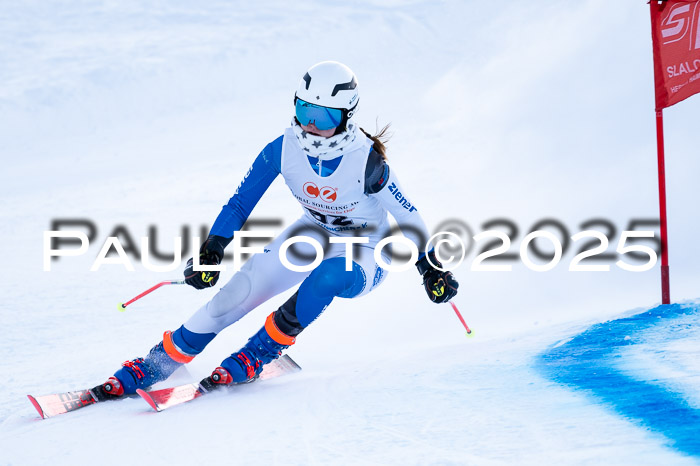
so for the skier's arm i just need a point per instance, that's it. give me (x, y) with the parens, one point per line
(382, 183)
(261, 174)
(234, 214)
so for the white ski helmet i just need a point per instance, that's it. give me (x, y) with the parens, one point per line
(330, 84)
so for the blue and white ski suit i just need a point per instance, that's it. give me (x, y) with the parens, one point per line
(349, 195)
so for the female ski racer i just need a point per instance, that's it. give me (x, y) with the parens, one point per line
(340, 176)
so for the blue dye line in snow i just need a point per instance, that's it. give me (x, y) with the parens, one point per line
(588, 362)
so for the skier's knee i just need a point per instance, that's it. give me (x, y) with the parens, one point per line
(330, 279)
(230, 296)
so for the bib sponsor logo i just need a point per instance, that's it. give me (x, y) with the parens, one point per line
(311, 190)
(326, 193)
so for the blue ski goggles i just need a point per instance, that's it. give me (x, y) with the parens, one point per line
(322, 117)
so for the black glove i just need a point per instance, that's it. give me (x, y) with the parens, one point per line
(440, 286)
(211, 253)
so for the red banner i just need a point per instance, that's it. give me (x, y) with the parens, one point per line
(675, 32)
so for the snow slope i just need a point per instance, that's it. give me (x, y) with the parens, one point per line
(149, 113)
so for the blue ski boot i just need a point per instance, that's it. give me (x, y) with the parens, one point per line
(247, 364)
(144, 372)
(176, 349)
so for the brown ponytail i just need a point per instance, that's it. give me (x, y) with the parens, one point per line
(379, 139)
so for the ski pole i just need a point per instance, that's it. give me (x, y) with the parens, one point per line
(461, 319)
(122, 306)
